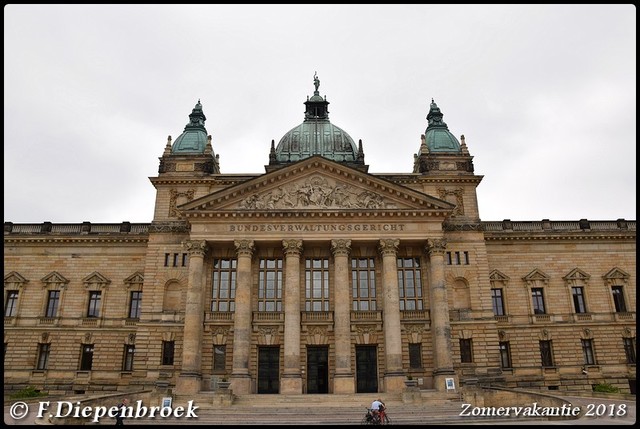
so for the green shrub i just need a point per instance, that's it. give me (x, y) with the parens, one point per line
(605, 388)
(28, 392)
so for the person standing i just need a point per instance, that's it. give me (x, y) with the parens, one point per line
(121, 411)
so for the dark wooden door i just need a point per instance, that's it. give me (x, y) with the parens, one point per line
(268, 369)
(366, 369)
(317, 369)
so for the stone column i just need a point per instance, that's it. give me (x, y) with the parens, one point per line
(343, 381)
(190, 380)
(394, 375)
(240, 377)
(292, 377)
(439, 309)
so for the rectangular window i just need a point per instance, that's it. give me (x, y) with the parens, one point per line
(11, 303)
(456, 259)
(415, 355)
(135, 304)
(166, 259)
(409, 283)
(466, 351)
(43, 356)
(546, 353)
(618, 299)
(184, 259)
(219, 358)
(223, 294)
(505, 354)
(538, 300)
(127, 360)
(53, 300)
(270, 285)
(86, 357)
(587, 352)
(94, 304)
(316, 284)
(578, 299)
(466, 258)
(630, 349)
(167, 352)
(175, 259)
(363, 284)
(498, 302)
(449, 260)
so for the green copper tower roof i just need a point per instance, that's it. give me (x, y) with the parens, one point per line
(194, 137)
(316, 135)
(437, 135)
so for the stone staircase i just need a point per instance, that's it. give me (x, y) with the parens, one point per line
(317, 409)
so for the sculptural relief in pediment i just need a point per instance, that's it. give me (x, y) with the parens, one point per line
(316, 192)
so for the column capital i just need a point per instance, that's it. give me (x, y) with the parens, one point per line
(292, 247)
(244, 247)
(340, 247)
(389, 246)
(195, 247)
(436, 246)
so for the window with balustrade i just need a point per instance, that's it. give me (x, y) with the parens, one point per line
(270, 285)
(223, 293)
(579, 305)
(316, 284)
(537, 297)
(363, 284)
(409, 283)
(497, 299)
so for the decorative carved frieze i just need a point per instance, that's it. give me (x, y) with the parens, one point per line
(316, 192)
(453, 196)
(169, 227)
(173, 200)
(467, 226)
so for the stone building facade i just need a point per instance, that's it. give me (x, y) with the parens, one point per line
(317, 276)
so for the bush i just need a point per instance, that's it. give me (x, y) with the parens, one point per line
(27, 392)
(605, 388)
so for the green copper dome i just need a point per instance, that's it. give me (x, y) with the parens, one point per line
(316, 135)
(437, 136)
(194, 137)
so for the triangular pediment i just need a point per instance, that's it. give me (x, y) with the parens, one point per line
(316, 184)
(578, 275)
(135, 278)
(536, 276)
(95, 278)
(14, 278)
(616, 276)
(55, 278)
(498, 276)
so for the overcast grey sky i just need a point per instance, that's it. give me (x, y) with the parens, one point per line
(545, 96)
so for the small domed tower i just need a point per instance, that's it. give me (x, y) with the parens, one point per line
(192, 150)
(440, 151)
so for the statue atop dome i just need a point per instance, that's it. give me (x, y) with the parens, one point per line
(316, 82)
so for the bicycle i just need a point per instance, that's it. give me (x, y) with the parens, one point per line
(379, 418)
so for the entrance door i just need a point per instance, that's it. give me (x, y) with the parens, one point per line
(269, 369)
(317, 369)
(366, 369)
